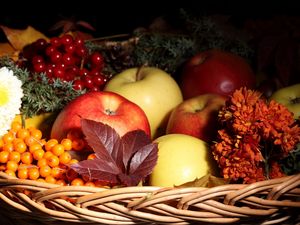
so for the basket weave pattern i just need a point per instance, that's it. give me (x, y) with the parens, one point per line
(267, 202)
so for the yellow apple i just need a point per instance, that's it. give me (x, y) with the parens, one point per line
(290, 98)
(181, 158)
(42, 121)
(154, 90)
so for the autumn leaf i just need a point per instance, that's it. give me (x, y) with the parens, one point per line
(6, 49)
(18, 38)
(71, 24)
(120, 160)
(205, 181)
(74, 27)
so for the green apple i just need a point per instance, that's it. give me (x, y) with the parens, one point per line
(290, 98)
(154, 90)
(181, 158)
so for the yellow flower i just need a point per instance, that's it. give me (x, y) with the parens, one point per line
(11, 94)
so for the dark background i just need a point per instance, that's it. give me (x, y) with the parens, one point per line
(122, 17)
(274, 29)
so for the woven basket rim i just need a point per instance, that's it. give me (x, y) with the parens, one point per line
(268, 201)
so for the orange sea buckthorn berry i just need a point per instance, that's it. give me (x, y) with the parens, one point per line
(23, 133)
(85, 178)
(2, 167)
(30, 141)
(38, 154)
(78, 144)
(37, 134)
(53, 161)
(10, 173)
(22, 173)
(58, 149)
(12, 165)
(67, 143)
(26, 158)
(57, 172)
(14, 156)
(9, 147)
(45, 171)
(61, 182)
(33, 173)
(23, 166)
(17, 140)
(91, 156)
(19, 145)
(8, 137)
(30, 128)
(42, 142)
(73, 161)
(42, 162)
(65, 158)
(47, 155)
(50, 143)
(15, 126)
(50, 179)
(1, 143)
(41, 180)
(77, 182)
(4, 156)
(90, 184)
(34, 147)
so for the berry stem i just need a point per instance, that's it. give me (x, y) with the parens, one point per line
(109, 37)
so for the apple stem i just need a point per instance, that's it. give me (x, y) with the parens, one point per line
(139, 75)
(295, 100)
(109, 112)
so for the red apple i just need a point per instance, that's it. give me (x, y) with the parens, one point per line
(197, 116)
(102, 106)
(215, 71)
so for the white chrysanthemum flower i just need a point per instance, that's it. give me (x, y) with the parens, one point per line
(11, 94)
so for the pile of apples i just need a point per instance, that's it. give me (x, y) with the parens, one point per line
(181, 116)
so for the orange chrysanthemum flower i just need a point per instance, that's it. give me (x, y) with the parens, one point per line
(254, 133)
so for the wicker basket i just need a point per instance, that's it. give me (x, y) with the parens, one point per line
(267, 202)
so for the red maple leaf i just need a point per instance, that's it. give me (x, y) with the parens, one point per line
(120, 160)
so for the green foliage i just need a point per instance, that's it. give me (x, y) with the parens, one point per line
(291, 164)
(208, 34)
(168, 50)
(165, 51)
(40, 96)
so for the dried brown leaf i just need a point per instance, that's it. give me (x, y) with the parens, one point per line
(6, 49)
(69, 25)
(85, 25)
(18, 38)
(205, 181)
